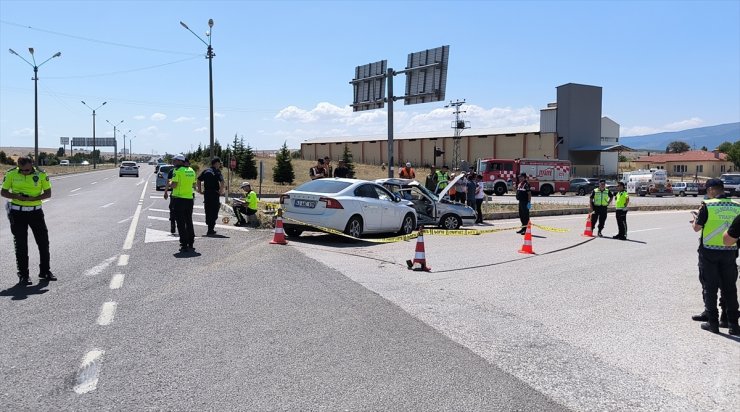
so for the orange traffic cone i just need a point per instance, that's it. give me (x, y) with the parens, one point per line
(527, 246)
(588, 232)
(278, 237)
(419, 256)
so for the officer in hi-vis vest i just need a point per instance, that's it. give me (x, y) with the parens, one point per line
(599, 202)
(26, 186)
(717, 266)
(621, 201)
(183, 189)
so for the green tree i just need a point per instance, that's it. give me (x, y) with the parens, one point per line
(623, 158)
(347, 158)
(60, 152)
(733, 154)
(677, 147)
(704, 148)
(725, 147)
(246, 162)
(4, 159)
(283, 172)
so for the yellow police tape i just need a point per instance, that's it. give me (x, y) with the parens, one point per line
(339, 233)
(551, 229)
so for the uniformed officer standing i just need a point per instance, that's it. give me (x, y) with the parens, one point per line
(443, 176)
(183, 185)
(211, 186)
(524, 196)
(717, 266)
(601, 197)
(622, 200)
(26, 186)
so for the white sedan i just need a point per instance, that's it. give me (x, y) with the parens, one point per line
(351, 206)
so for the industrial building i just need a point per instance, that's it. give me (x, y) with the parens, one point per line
(570, 129)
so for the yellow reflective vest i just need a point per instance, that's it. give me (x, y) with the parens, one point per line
(720, 214)
(185, 179)
(31, 185)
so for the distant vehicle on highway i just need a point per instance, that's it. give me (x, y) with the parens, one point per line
(85, 163)
(156, 168)
(164, 170)
(583, 186)
(352, 206)
(128, 168)
(431, 210)
(64, 163)
(731, 182)
(685, 189)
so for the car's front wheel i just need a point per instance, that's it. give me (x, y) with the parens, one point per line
(354, 227)
(408, 225)
(292, 232)
(451, 222)
(581, 191)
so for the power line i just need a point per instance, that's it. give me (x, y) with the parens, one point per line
(84, 76)
(96, 40)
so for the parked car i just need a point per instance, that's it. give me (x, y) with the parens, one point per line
(352, 206)
(128, 168)
(161, 182)
(431, 210)
(85, 163)
(156, 168)
(611, 186)
(583, 186)
(685, 188)
(64, 163)
(731, 182)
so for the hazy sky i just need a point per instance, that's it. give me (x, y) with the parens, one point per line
(282, 68)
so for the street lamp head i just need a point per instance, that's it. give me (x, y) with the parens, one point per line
(56, 55)
(83, 102)
(210, 22)
(184, 25)
(103, 104)
(30, 50)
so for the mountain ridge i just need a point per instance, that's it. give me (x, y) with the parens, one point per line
(709, 136)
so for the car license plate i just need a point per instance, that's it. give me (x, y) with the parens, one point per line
(305, 203)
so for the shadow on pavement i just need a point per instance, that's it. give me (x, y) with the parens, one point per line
(21, 292)
(327, 239)
(185, 255)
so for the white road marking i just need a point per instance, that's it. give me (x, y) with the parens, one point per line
(132, 229)
(153, 235)
(117, 281)
(156, 197)
(87, 376)
(644, 230)
(140, 182)
(74, 190)
(237, 228)
(123, 260)
(94, 183)
(124, 220)
(73, 194)
(109, 204)
(101, 267)
(107, 312)
(45, 200)
(168, 211)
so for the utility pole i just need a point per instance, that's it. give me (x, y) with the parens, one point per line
(459, 125)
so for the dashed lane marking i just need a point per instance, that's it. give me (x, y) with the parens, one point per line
(100, 267)
(109, 204)
(107, 312)
(94, 183)
(74, 190)
(117, 281)
(123, 260)
(87, 376)
(124, 220)
(132, 229)
(644, 230)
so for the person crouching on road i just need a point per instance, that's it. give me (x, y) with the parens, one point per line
(600, 199)
(717, 265)
(183, 192)
(26, 186)
(247, 207)
(622, 200)
(524, 196)
(211, 186)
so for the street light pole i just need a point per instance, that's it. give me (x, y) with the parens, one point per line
(124, 145)
(35, 97)
(93, 112)
(115, 126)
(209, 56)
(130, 145)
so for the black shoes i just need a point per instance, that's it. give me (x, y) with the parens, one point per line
(47, 276)
(619, 237)
(522, 231)
(211, 233)
(714, 328)
(23, 280)
(734, 330)
(600, 235)
(702, 317)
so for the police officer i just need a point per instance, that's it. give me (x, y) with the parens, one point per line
(183, 185)
(247, 207)
(443, 176)
(211, 186)
(622, 200)
(524, 196)
(717, 266)
(26, 186)
(600, 199)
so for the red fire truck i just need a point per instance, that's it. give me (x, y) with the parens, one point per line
(546, 176)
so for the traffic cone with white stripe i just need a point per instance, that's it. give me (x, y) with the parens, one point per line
(419, 255)
(527, 246)
(278, 237)
(588, 232)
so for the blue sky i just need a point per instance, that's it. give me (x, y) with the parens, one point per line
(282, 68)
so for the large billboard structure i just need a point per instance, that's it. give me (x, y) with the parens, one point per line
(426, 80)
(90, 141)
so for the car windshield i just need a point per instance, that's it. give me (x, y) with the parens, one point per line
(128, 164)
(165, 169)
(323, 186)
(730, 179)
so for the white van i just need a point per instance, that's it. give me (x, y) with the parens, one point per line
(64, 163)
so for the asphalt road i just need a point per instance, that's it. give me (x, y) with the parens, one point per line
(239, 325)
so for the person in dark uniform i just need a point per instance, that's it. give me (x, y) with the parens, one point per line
(600, 199)
(27, 186)
(717, 261)
(524, 196)
(183, 185)
(173, 225)
(342, 170)
(211, 186)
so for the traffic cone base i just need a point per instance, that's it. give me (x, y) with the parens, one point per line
(588, 232)
(419, 255)
(278, 237)
(527, 246)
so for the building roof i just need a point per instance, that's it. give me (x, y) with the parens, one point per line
(421, 135)
(690, 156)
